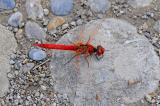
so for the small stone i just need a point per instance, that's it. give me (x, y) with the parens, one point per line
(15, 30)
(7, 4)
(34, 105)
(43, 87)
(43, 103)
(132, 82)
(149, 97)
(123, 105)
(15, 9)
(19, 31)
(40, 82)
(61, 7)
(157, 26)
(73, 23)
(21, 24)
(79, 22)
(33, 30)
(13, 56)
(15, 19)
(11, 62)
(17, 65)
(16, 72)
(37, 54)
(34, 9)
(9, 75)
(54, 104)
(54, 23)
(27, 103)
(37, 94)
(10, 28)
(45, 22)
(29, 97)
(46, 11)
(65, 26)
(99, 6)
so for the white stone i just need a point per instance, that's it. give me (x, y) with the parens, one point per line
(34, 9)
(7, 45)
(128, 56)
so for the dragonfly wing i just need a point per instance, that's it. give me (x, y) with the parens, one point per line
(93, 31)
(80, 34)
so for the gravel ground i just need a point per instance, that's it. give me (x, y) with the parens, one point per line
(30, 80)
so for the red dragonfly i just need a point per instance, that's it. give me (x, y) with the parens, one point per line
(79, 48)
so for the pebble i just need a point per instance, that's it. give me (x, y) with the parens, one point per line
(34, 9)
(7, 4)
(11, 62)
(43, 87)
(157, 26)
(99, 6)
(54, 23)
(45, 22)
(54, 104)
(9, 75)
(37, 54)
(21, 24)
(16, 72)
(17, 65)
(79, 22)
(15, 19)
(65, 26)
(61, 7)
(73, 23)
(46, 11)
(15, 30)
(37, 94)
(33, 30)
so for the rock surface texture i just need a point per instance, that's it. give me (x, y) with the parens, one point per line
(7, 45)
(128, 71)
(139, 3)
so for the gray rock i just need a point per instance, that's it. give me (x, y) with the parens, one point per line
(33, 30)
(15, 19)
(7, 45)
(128, 71)
(139, 3)
(157, 26)
(7, 4)
(37, 54)
(100, 6)
(34, 9)
(61, 7)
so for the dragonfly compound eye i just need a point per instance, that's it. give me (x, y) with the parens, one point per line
(100, 50)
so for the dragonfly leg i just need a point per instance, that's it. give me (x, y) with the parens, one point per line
(86, 58)
(99, 57)
(89, 40)
(72, 58)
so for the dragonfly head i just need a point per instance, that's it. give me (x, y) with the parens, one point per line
(100, 50)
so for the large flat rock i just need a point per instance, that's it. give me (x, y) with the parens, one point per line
(129, 69)
(7, 45)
